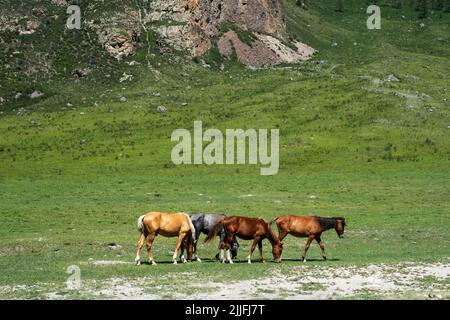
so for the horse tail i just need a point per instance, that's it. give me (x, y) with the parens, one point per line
(213, 232)
(191, 226)
(140, 225)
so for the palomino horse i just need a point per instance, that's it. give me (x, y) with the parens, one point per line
(255, 229)
(168, 225)
(203, 223)
(310, 227)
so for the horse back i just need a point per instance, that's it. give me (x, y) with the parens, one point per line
(166, 224)
(298, 225)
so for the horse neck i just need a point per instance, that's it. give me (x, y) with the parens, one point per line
(327, 223)
(271, 236)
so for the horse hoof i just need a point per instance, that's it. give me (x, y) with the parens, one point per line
(153, 263)
(231, 261)
(175, 262)
(261, 261)
(304, 259)
(249, 261)
(138, 263)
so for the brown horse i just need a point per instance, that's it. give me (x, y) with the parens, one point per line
(310, 227)
(168, 225)
(255, 229)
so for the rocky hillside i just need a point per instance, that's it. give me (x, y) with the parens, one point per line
(254, 29)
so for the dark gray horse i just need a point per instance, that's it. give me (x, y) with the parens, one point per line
(203, 223)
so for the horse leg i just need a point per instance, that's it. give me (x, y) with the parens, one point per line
(197, 236)
(234, 248)
(221, 250)
(308, 243)
(140, 244)
(222, 236)
(261, 257)
(255, 242)
(149, 243)
(181, 237)
(184, 244)
(283, 233)
(229, 239)
(322, 247)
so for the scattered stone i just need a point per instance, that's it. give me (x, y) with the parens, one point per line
(161, 109)
(123, 99)
(36, 94)
(18, 95)
(184, 104)
(30, 28)
(133, 63)
(156, 94)
(126, 77)
(334, 44)
(114, 246)
(392, 78)
(81, 72)
(69, 105)
(381, 121)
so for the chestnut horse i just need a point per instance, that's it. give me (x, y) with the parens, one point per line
(310, 227)
(168, 225)
(255, 229)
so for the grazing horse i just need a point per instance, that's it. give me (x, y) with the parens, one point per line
(168, 225)
(310, 227)
(203, 223)
(255, 229)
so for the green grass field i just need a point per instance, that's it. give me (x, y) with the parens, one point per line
(74, 179)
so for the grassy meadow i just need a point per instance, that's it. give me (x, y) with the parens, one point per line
(75, 178)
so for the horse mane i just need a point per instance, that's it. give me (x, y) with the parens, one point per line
(329, 222)
(273, 238)
(191, 226)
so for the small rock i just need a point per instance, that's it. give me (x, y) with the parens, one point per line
(334, 44)
(161, 109)
(126, 77)
(222, 67)
(114, 246)
(69, 105)
(36, 94)
(123, 99)
(392, 78)
(156, 94)
(81, 72)
(422, 25)
(184, 104)
(133, 63)
(2, 100)
(18, 95)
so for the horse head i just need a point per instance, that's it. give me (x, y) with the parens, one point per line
(340, 226)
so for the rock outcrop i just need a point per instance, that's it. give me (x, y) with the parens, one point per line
(195, 26)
